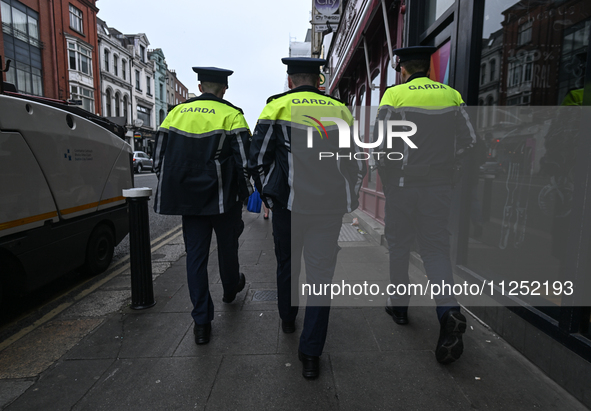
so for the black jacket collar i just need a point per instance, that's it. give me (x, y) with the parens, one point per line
(209, 96)
(416, 75)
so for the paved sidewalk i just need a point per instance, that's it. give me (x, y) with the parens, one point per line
(94, 357)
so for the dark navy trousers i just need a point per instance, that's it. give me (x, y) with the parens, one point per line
(421, 213)
(316, 237)
(197, 232)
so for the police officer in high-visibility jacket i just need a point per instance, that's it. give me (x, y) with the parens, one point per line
(201, 164)
(308, 194)
(418, 187)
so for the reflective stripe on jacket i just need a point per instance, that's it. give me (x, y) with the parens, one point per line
(444, 132)
(201, 158)
(284, 157)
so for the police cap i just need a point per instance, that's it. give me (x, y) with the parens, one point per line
(303, 65)
(413, 53)
(212, 74)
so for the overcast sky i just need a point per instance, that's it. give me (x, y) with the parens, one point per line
(249, 37)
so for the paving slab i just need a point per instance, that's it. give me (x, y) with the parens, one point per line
(259, 273)
(246, 332)
(102, 343)
(271, 382)
(10, 390)
(421, 333)
(153, 335)
(153, 384)
(38, 350)
(408, 381)
(491, 372)
(62, 387)
(349, 331)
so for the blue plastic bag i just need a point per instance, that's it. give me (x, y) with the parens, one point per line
(254, 202)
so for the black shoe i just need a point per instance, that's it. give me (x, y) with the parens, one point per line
(202, 333)
(288, 327)
(311, 365)
(399, 317)
(450, 345)
(228, 298)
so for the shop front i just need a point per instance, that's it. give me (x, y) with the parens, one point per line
(521, 210)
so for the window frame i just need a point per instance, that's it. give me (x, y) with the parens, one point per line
(81, 55)
(107, 57)
(138, 83)
(108, 105)
(76, 19)
(79, 94)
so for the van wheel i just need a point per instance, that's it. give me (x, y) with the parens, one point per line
(100, 249)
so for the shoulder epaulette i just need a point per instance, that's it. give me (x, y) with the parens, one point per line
(276, 96)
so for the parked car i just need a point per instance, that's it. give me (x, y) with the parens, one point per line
(141, 161)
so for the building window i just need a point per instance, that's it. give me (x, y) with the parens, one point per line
(125, 104)
(117, 108)
(482, 74)
(80, 58)
(137, 80)
(116, 65)
(85, 95)
(142, 53)
(108, 105)
(493, 68)
(161, 92)
(106, 60)
(123, 68)
(76, 19)
(144, 113)
(148, 85)
(162, 116)
(22, 46)
(26, 79)
(21, 23)
(524, 34)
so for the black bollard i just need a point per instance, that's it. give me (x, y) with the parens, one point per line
(142, 290)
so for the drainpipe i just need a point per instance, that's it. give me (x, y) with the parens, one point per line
(54, 53)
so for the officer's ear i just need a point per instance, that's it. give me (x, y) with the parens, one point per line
(200, 88)
(290, 84)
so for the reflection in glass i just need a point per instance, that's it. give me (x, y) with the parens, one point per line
(434, 9)
(522, 187)
(372, 174)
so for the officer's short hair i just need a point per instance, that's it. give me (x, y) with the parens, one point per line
(303, 79)
(416, 66)
(211, 87)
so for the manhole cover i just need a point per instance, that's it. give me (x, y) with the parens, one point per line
(350, 233)
(265, 295)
